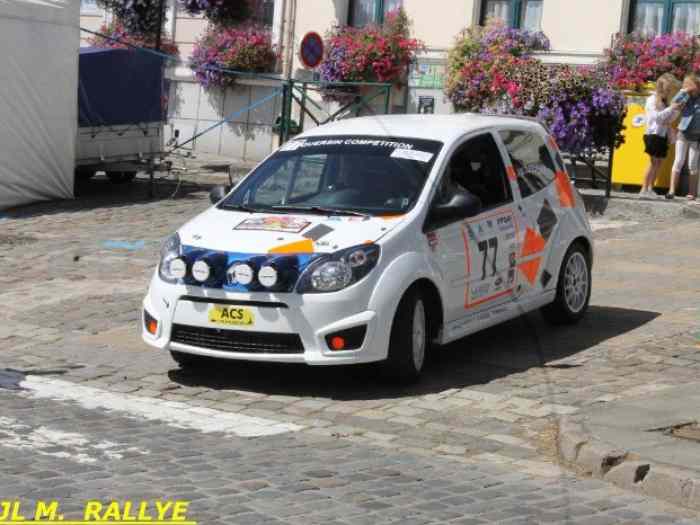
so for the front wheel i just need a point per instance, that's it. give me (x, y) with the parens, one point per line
(409, 341)
(573, 288)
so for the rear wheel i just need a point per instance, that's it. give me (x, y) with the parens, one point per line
(120, 177)
(573, 288)
(189, 360)
(409, 342)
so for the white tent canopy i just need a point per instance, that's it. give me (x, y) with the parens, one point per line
(38, 99)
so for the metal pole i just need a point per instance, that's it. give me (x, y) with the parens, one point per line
(151, 170)
(286, 90)
(302, 113)
(159, 32)
(608, 188)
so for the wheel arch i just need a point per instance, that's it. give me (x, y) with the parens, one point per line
(407, 271)
(587, 245)
(433, 308)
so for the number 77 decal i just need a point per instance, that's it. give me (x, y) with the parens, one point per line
(489, 238)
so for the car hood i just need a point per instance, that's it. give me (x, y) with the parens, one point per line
(262, 233)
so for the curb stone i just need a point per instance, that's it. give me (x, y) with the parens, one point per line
(576, 445)
(691, 211)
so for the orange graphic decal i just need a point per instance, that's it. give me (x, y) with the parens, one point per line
(553, 143)
(305, 246)
(565, 191)
(510, 170)
(529, 269)
(534, 243)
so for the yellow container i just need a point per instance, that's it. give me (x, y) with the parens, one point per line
(631, 163)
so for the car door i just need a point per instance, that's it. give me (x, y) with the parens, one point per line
(477, 255)
(538, 212)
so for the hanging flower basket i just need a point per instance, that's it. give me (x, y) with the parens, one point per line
(494, 70)
(219, 12)
(634, 61)
(121, 38)
(369, 54)
(136, 16)
(242, 49)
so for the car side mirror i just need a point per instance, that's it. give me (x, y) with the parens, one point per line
(462, 205)
(218, 193)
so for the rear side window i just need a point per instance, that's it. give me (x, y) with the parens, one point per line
(477, 166)
(531, 160)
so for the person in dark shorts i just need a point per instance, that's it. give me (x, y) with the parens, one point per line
(660, 112)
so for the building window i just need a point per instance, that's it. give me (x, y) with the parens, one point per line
(654, 17)
(363, 12)
(263, 12)
(89, 7)
(523, 14)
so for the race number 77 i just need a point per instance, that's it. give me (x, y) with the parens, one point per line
(484, 247)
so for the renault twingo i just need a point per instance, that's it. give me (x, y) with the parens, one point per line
(373, 239)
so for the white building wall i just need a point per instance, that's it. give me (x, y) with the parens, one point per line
(579, 32)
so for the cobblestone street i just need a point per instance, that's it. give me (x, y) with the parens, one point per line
(473, 442)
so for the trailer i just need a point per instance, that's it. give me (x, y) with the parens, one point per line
(122, 106)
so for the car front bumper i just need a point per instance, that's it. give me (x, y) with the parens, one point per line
(181, 309)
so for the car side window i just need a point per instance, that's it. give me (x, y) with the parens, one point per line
(477, 167)
(531, 160)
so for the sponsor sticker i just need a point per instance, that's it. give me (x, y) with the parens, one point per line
(371, 142)
(639, 121)
(433, 240)
(490, 245)
(412, 154)
(286, 224)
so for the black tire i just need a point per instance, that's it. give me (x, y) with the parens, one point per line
(569, 310)
(402, 364)
(190, 361)
(120, 177)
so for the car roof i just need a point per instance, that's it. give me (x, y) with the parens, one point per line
(444, 128)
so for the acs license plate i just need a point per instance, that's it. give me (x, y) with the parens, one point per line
(231, 315)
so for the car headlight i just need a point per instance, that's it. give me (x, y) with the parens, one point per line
(172, 266)
(334, 272)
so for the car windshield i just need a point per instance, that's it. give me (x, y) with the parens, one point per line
(343, 175)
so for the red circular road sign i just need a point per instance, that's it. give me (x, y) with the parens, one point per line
(311, 52)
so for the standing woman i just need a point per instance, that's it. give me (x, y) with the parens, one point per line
(688, 144)
(659, 115)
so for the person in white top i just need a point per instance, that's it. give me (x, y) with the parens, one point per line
(660, 113)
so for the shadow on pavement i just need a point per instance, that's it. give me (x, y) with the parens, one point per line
(524, 343)
(99, 192)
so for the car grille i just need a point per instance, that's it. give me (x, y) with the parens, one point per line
(237, 341)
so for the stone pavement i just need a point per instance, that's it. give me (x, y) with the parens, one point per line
(74, 273)
(63, 451)
(649, 444)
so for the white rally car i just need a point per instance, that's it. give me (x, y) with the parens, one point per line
(372, 239)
